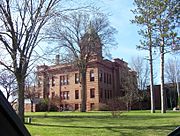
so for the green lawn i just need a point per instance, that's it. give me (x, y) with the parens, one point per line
(140, 123)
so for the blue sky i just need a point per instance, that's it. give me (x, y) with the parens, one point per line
(120, 15)
(127, 36)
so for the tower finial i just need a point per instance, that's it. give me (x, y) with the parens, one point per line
(90, 28)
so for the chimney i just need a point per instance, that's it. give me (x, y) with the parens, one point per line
(57, 59)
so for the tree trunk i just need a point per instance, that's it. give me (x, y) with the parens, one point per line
(177, 84)
(83, 90)
(151, 78)
(163, 104)
(127, 105)
(178, 91)
(31, 105)
(21, 88)
(49, 104)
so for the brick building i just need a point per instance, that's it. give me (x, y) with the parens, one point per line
(104, 79)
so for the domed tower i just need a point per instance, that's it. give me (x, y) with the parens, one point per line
(91, 45)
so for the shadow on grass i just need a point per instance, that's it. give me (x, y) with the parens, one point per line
(145, 117)
(107, 127)
(68, 116)
(129, 117)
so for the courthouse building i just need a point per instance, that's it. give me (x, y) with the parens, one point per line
(104, 81)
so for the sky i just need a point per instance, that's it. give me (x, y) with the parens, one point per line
(127, 36)
(120, 15)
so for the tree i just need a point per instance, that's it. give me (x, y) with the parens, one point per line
(144, 16)
(8, 83)
(166, 23)
(129, 88)
(142, 69)
(56, 102)
(84, 35)
(161, 22)
(21, 23)
(172, 74)
(140, 65)
(31, 91)
(172, 70)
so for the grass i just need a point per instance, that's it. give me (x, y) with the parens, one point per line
(102, 124)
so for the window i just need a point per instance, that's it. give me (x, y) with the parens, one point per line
(92, 93)
(107, 78)
(101, 93)
(66, 107)
(61, 80)
(76, 78)
(110, 79)
(76, 94)
(67, 79)
(64, 80)
(52, 95)
(92, 75)
(76, 106)
(106, 94)
(65, 95)
(53, 81)
(92, 106)
(104, 77)
(110, 94)
(61, 94)
(100, 76)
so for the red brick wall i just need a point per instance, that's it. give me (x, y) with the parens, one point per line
(115, 69)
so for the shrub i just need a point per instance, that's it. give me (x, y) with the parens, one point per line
(47, 105)
(116, 114)
(103, 107)
(116, 106)
(42, 105)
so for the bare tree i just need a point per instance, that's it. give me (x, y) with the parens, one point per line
(172, 66)
(21, 23)
(141, 67)
(31, 91)
(172, 74)
(130, 90)
(85, 35)
(8, 83)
